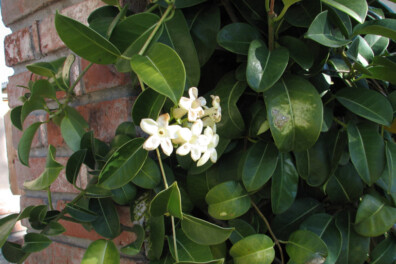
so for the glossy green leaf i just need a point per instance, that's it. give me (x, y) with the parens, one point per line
(6, 225)
(26, 142)
(67, 69)
(12, 252)
(383, 27)
(125, 194)
(15, 116)
(135, 247)
(384, 252)
(259, 165)
(286, 223)
(42, 68)
(242, 229)
(123, 165)
(161, 69)
(101, 252)
(377, 43)
(33, 104)
(43, 88)
(183, 3)
(303, 13)
(366, 103)
(295, 113)
(177, 36)
(305, 246)
(188, 250)
(204, 29)
(73, 165)
(107, 223)
(322, 32)
(366, 149)
(73, 127)
(389, 174)
(230, 90)
(167, 201)
(35, 242)
(203, 232)
(355, 8)
(149, 176)
(126, 128)
(95, 191)
(360, 51)
(80, 213)
(265, 67)
(227, 200)
(254, 249)
(84, 41)
(298, 51)
(50, 174)
(252, 11)
(236, 37)
(355, 248)
(374, 217)
(148, 105)
(54, 229)
(284, 184)
(156, 237)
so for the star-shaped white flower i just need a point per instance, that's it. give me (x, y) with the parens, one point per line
(195, 142)
(192, 106)
(160, 133)
(210, 152)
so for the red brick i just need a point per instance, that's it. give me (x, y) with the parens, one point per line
(39, 139)
(100, 77)
(54, 135)
(13, 10)
(19, 47)
(13, 91)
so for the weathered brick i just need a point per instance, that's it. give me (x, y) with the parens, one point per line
(13, 89)
(100, 77)
(19, 47)
(54, 135)
(13, 10)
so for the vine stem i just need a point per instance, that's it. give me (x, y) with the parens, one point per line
(270, 4)
(172, 218)
(270, 230)
(80, 77)
(340, 122)
(50, 198)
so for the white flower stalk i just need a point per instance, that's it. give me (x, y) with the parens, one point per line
(196, 143)
(210, 152)
(161, 133)
(191, 106)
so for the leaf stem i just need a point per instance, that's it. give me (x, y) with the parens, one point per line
(230, 11)
(151, 9)
(80, 77)
(269, 229)
(49, 198)
(271, 23)
(162, 169)
(338, 121)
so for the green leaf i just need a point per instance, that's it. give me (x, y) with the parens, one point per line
(50, 174)
(254, 249)
(73, 127)
(149, 176)
(384, 252)
(15, 116)
(148, 105)
(42, 68)
(67, 68)
(242, 229)
(367, 103)
(74, 164)
(134, 248)
(227, 200)
(156, 237)
(382, 27)
(374, 217)
(96, 191)
(377, 43)
(203, 232)
(54, 229)
(259, 165)
(35, 242)
(111, 2)
(167, 201)
(203, 30)
(284, 184)
(125, 194)
(34, 103)
(189, 251)
(230, 90)
(295, 113)
(13, 252)
(355, 8)
(183, 3)
(355, 248)
(107, 224)
(43, 89)
(389, 174)
(127, 129)
(265, 67)
(123, 165)
(366, 149)
(6, 225)
(26, 142)
(101, 252)
(305, 246)
(236, 37)
(322, 32)
(80, 213)
(161, 69)
(84, 41)
(360, 51)
(177, 36)
(298, 51)
(302, 14)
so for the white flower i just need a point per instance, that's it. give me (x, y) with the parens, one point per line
(160, 133)
(192, 106)
(196, 143)
(211, 147)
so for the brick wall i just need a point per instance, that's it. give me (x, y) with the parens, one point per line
(105, 99)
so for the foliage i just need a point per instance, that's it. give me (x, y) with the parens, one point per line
(294, 161)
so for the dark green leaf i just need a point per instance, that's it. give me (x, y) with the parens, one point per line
(13, 252)
(382, 27)
(254, 249)
(125, 194)
(303, 13)
(167, 201)
(384, 252)
(42, 68)
(127, 129)
(183, 3)
(360, 51)
(96, 191)
(156, 237)
(236, 37)
(149, 176)
(389, 175)
(74, 164)
(34, 103)
(107, 224)
(73, 127)
(80, 213)
(148, 105)
(101, 252)
(134, 248)
(111, 2)
(6, 225)
(16, 117)
(35, 242)
(242, 229)
(355, 8)
(377, 43)
(298, 51)
(26, 142)
(54, 229)
(305, 246)
(43, 89)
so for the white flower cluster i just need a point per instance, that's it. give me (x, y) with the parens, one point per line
(187, 135)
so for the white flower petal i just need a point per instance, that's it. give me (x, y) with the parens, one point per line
(151, 143)
(171, 131)
(163, 120)
(167, 146)
(202, 101)
(192, 116)
(215, 140)
(195, 153)
(183, 149)
(179, 112)
(185, 103)
(193, 93)
(205, 157)
(208, 132)
(213, 155)
(185, 134)
(196, 128)
(149, 126)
